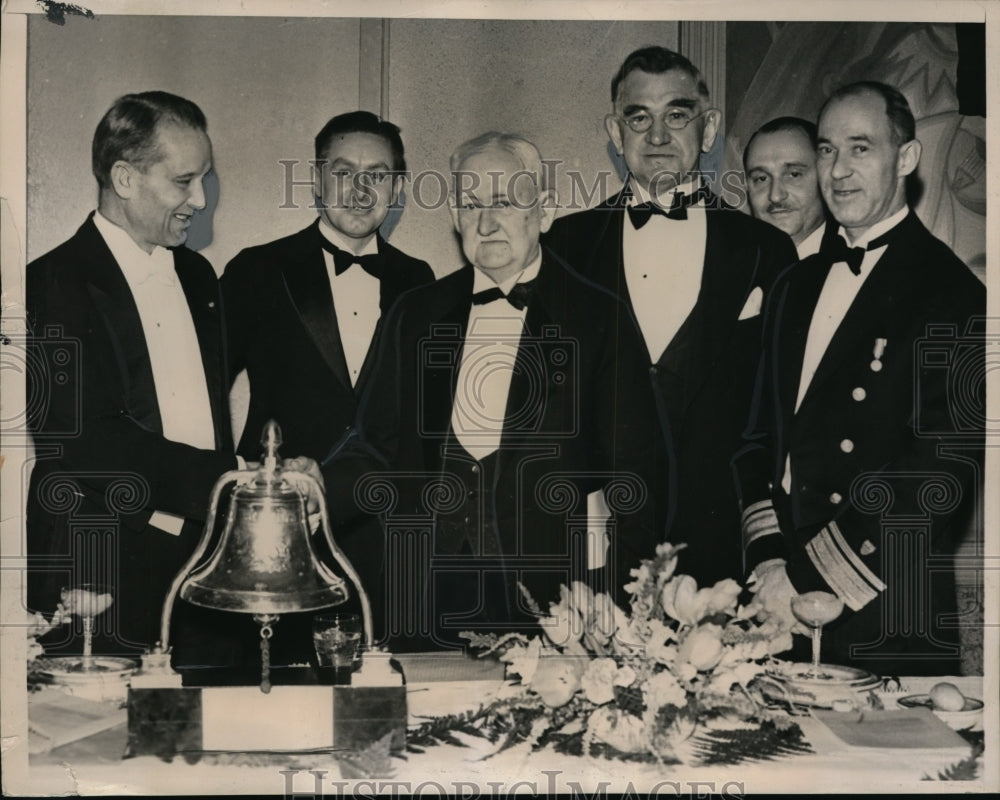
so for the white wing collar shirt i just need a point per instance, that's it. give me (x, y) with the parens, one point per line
(172, 344)
(489, 353)
(356, 296)
(664, 260)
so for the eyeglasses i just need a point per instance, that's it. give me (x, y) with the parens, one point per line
(677, 119)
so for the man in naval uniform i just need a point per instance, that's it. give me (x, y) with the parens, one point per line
(864, 459)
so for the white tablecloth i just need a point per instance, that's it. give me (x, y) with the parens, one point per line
(834, 767)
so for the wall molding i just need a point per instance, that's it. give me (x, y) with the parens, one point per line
(704, 43)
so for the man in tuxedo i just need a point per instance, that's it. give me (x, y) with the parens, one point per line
(864, 462)
(694, 274)
(130, 444)
(303, 312)
(782, 186)
(303, 315)
(498, 407)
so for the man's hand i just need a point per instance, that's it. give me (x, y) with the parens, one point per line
(309, 467)
(774, 593)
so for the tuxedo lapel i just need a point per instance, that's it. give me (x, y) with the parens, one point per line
(727, 279)
(204, 308)
(308, 287)
(795, 316)
(439, 362)
(113, 299)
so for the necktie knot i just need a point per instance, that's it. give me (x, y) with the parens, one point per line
(343, 261)
(641, 213)
(518, 296)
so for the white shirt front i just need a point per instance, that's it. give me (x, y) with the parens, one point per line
(355, 299)
(172, 344)
(835, 299)
(489, 354)
(664, 261)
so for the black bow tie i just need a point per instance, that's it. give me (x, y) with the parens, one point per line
(342, 260)
(519, 295)
(639, 214)
(835, 249)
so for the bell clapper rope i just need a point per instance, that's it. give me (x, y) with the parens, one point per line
(266, 632)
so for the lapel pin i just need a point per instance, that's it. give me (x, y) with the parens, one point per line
(877, 352)
(211, 304)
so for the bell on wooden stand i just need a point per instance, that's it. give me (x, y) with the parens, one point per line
(264, 565)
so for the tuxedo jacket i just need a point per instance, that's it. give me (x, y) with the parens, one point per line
(103, 465)
(886, 450)
(572, 424)
(702, 384)
(282, 328)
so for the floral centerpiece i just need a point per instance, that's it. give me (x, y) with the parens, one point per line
(639, 685)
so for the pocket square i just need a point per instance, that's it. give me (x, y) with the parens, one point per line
(752, 306)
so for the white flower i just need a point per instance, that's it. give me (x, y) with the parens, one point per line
(684, 601)
(663, 689)
(702, 648)
(598, 680)
(523, 659)
(625, 677)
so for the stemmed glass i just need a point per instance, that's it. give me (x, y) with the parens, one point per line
(816, 609)
(87, 600)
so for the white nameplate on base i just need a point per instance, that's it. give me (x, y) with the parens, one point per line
(243, 718)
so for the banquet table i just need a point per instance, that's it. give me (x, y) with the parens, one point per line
(440, 684)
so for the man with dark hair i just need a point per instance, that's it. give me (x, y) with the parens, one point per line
(131, 444)
(863, 463)
(304, 312)
(497, 406)
(780, 165)
(694, 275)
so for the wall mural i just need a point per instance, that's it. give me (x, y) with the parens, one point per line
(775, 69)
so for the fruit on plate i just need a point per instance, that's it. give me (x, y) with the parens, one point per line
(947, 697)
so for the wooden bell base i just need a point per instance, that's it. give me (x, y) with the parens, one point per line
(188, 721)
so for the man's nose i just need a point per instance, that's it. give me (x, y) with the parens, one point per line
(487, 221)
(841, 166)
(658, 132)
(196, 199)
(777, 192)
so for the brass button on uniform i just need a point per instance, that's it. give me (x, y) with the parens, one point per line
(475, 469)
(847, 446)
(859, 393)
(835, 498)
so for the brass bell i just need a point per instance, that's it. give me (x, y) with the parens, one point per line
(264, 563)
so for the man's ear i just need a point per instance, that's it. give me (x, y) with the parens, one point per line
(548, 204)
(453, 208)
(713, 119)
(908, 158)
(318, 167)
(397, 187)
(123, 175)
(613, 126)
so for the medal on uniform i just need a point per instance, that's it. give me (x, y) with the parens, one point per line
(877, 352)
